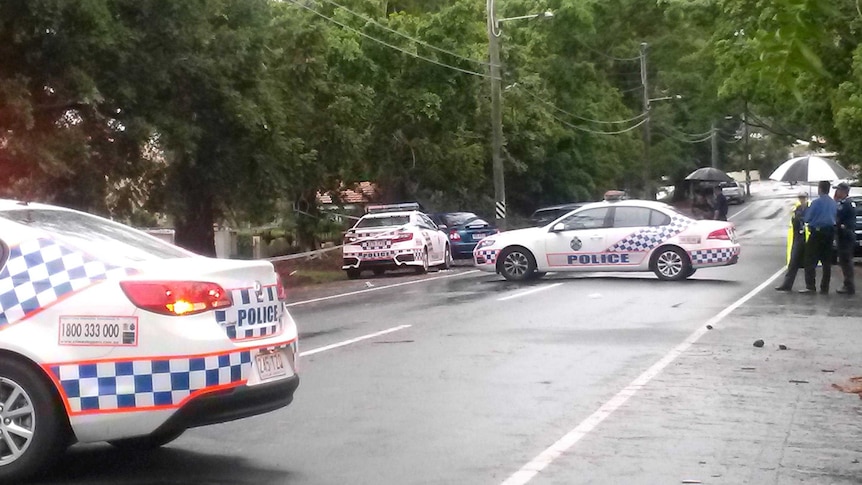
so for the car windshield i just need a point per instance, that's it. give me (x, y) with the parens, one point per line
(382, 221)
(111, 241)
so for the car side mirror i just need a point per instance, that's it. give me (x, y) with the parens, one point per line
(443, 227)
(558, 227)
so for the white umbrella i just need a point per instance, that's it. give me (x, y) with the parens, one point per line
(809, 169)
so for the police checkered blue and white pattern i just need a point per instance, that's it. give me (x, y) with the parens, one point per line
(377, 244)
(40, 271)
(713, 256)
(650, 237)
(490, 255)
(245, 299)
(142, 384)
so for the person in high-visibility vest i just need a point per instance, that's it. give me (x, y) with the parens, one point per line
(796, 236)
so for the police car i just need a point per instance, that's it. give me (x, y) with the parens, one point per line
(395, 236)
(110, 334)
(619, 235)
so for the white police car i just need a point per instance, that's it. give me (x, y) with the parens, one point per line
(395, 236)
(623, 235)
(109, 334)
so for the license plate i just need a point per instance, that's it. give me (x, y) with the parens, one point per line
(477, 237)
(270, 365)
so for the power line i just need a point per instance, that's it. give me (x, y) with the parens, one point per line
(596, 132)
(582, 118)
(411, 39)
(608, 56)
(384, 43)
(682, 140)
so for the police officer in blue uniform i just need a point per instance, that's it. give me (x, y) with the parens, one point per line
(820, 217)
(845, 236)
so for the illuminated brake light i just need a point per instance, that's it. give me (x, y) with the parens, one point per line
(719, 234)
(402, 236)
(454, 236)
(176, 298)
(279, 288)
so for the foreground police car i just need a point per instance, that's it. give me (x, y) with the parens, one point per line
(626, 235)
(395, 236)
(109, 334)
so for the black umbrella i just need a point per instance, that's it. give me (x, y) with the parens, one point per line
(709, 174)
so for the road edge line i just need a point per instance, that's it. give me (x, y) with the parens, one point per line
(529, 292)
(550, 454)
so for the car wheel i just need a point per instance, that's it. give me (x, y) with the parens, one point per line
(447, 259)
(424, 268)
(353, 274)
(378, 271)
(33, 431)
(692, 271)
(146, 443)
(535, 275)
(671, 264)
(517, 264)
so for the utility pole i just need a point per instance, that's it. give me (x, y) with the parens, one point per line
(496, 118)
(714, 145)
(648, 192)
(747, 154)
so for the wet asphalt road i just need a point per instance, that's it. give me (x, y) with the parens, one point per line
(481, 377)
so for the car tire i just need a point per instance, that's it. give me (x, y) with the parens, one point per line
(424, 268)
(517, 264)
(147, 443)
(447, 259)
(353, 274)
(671, 264)
(34, 422)
(535, 275)
(691, 272)
(378, 271)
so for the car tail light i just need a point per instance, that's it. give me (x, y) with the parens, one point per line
(279, 288)
(402, 236)
(454, 236)
(176, 297)
(720, 234)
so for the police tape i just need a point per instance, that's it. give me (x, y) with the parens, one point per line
(308, 254)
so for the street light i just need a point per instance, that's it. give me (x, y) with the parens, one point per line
(494, 34)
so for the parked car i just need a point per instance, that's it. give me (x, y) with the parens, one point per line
(547, 214)
(734, 191)
(465, 229)
(110, 334)
(395, 236)
(622, 235)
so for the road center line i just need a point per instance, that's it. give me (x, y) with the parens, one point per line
(545, 458)
(750, 205)
(352, 341)
(377, 288)
(528, 292)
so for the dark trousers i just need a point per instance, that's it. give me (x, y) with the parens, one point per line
(797, 254)
(845, 260)
(819, 249)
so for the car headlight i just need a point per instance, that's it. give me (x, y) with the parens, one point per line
(484, 243)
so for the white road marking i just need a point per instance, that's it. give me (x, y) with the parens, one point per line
(545, 458)
(528, 292)
(352, 341)
(378, 288)
(750, 205)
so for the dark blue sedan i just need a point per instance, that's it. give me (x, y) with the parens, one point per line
(465, 229)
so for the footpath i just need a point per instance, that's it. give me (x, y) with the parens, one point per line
(727, 412)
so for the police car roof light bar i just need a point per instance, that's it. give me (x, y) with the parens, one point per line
(406, 206)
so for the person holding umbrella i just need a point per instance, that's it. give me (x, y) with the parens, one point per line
(845, 227)
(797, 248)
(820, 218)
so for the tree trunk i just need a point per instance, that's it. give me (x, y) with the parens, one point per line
(194, 227)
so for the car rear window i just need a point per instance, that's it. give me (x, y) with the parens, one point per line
(384, 221)
(110, 241)
(459, 218)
